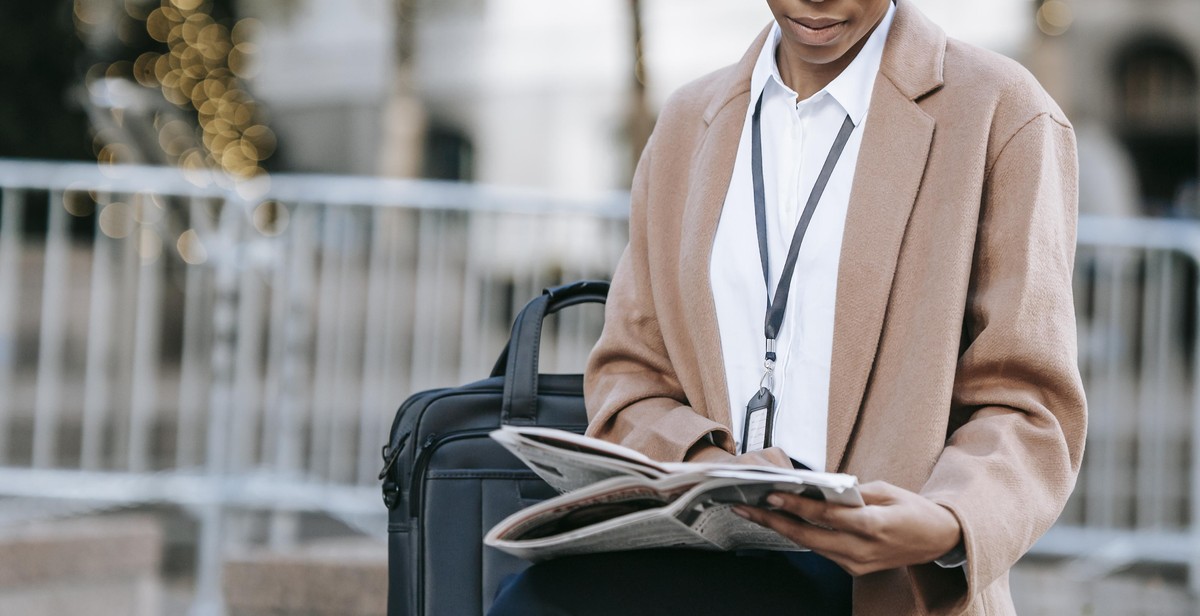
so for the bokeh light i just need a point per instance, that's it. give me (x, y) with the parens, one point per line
(201, 70)
(115, 220)
(270, 218)
(1054, 17)
(190, 248)
(77, 203)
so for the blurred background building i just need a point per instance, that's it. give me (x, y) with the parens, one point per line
(235, 234)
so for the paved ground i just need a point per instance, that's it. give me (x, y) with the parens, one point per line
(1041, 587)
(1044, 587)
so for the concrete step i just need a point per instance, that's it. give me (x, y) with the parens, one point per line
(99, 565)
(333, 577)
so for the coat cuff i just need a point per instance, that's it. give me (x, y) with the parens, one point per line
(941, 587)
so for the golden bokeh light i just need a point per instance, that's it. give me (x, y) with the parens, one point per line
(137, 9)
(158, 25)
(119, 69)
(240, 60)
(194, 159)
(78, 203)
(115, 153)
(172, 133)
(262, 138)
(1055, 17)
(193, 63)
(200, 69)
(249, 150)
(145, 69)
(172, 13)
(175, 95)
(187, 5)
(198, 176)
(94, 72)
(89, 12)
(254, 188)
(190, 248)
(162, 66)
(214, 87)
(245, 30)
(242, 114)
(270, 218)
(171, 78)
(159, 201)
(115, 220)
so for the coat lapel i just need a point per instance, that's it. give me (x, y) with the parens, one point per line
(711, 172)
(891, 164)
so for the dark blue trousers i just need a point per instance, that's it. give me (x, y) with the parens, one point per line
(685, 582)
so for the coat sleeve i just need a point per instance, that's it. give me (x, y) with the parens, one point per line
(633, 394)
(1018, 402)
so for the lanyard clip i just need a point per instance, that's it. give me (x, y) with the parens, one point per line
(768, 379)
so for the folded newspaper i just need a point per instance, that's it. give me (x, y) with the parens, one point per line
(615, 498)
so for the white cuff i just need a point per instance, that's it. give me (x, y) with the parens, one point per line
(956, 557)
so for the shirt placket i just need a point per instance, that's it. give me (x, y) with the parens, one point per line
(791, 215)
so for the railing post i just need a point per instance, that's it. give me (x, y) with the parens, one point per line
(370, 437)
(10, 285)
(52, 337)
(143, 405)
(196, 360)
(324, 391)
(293, 380)
(227, 253)
(98, 371)
(1194, 565)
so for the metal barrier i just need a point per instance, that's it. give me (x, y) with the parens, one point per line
(1137, 303)
(165, 338)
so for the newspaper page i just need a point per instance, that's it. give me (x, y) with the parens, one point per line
(569, 461)
(617, 514)
(687, 510)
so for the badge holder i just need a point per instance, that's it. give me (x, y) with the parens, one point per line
(760, 411)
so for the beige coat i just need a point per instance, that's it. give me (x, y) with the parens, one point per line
(954, 350)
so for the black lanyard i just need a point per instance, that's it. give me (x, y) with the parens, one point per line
(775, 307)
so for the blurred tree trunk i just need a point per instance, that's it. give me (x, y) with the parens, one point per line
(404, 115)
(639, 121)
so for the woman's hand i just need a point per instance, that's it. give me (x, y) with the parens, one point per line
(896, 528)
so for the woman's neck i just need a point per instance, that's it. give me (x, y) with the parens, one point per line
(808, 78)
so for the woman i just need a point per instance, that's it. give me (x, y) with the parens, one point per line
(922, 193)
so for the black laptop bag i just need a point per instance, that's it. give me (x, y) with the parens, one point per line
(446, 483)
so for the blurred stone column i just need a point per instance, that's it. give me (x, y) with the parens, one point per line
(1050, 53)
(640, 120)
(404, 118)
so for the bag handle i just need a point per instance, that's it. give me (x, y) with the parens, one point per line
(518, 362)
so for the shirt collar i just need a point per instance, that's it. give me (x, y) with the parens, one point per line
(851, 89)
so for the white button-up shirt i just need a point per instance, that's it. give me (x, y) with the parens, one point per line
(796, 139)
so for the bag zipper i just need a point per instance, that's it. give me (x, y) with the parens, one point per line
(416, 491)
(416, 486)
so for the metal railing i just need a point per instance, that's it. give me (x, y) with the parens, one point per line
(166, 337)
(1137, 303)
